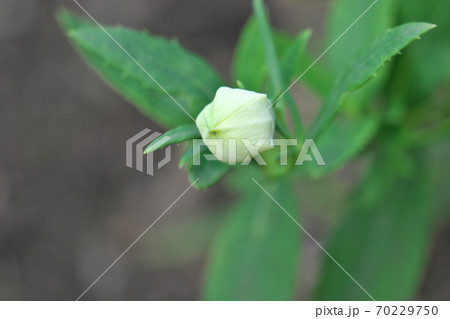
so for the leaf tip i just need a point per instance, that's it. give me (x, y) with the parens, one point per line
(308, 32)
(239, 84)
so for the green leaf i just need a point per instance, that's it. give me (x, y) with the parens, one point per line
(341, 142)
(281, 40)
(249, 66)
(417, 77)
(71, 21)
(365, 67)
(440, 177)
(380, 17)
(188, 155)
(383, 240)
(341, 14)
(174, 136)
(248, 63)
(208, 172)
(317, 78)
(256, 254)
(187, 78)
(291, 62)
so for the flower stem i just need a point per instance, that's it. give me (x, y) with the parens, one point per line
(273, 64)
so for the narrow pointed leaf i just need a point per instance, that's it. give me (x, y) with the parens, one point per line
(174, 136)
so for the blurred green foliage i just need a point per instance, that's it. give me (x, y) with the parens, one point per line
(255, 256)
(394, 119)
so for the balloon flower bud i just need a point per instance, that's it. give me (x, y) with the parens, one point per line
(237, 125)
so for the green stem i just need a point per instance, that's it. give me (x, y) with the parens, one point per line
(282, 130)
(273, 64)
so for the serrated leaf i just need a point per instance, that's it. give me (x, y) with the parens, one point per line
(187, 78)
(365, 67)
(341, 13)
(256, 253)
(383, 240)
(174, 136)
(380, 17)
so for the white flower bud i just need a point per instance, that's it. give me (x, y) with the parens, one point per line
(238, 118)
